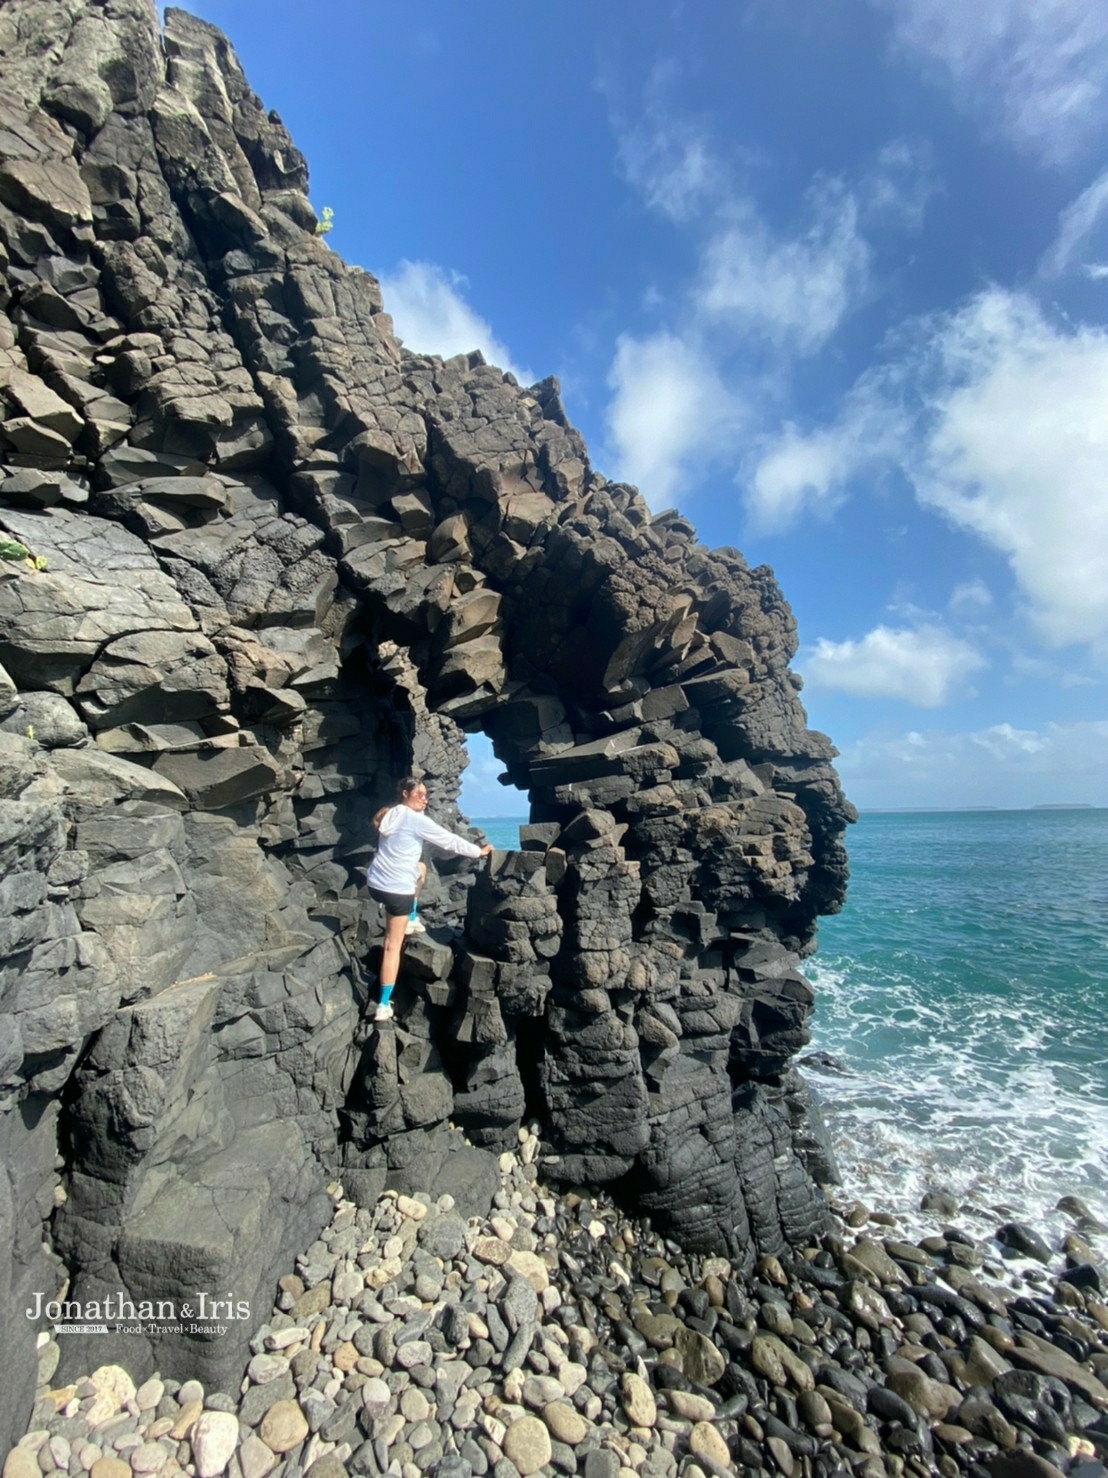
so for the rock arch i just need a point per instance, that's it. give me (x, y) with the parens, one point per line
(284, 560)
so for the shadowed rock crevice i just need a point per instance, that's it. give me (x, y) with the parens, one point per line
(276, 562)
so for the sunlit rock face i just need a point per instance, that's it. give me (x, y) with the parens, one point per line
(276, 562)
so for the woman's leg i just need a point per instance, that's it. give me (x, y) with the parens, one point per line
(414, 926)
(390, 961)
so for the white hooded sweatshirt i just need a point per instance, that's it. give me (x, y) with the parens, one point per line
(395, 869)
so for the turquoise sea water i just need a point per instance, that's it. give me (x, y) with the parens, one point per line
(502, 831)
(964, 989)
(964, 992)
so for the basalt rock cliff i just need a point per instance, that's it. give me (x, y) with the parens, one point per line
(277, 561)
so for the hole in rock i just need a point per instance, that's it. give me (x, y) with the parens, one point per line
(498, 809)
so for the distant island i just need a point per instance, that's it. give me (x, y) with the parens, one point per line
(958, 810)
(1066, 806)
(914, 810)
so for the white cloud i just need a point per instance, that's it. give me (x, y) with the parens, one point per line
(897, 190)
(432, 317)
(764, 292)
(1003, 741)
(924, 665)
(971, 596)
(1035, 68)
(1017, 452)
(1003, 765)
(668, 404)
(796, 472)
(671, 163)
(793, 289)
(664, 154)
(1007, 439)
(790, 286)
(1077, 226)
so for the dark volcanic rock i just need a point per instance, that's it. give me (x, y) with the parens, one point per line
(1023, 1241)
(280, 562)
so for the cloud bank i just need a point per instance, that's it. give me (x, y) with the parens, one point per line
(997, 418)
(1033, 70)
(924, 665)
(1001, 765)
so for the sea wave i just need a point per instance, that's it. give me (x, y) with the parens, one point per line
(955, 1094)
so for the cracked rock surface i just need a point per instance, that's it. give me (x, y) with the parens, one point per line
(276, 562)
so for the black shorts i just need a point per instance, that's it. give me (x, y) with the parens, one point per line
(396, 905)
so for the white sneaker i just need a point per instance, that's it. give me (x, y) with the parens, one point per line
(414, 926)
(384, 1013)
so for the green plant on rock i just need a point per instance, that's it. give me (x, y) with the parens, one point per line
(326, 221)
(13, 550)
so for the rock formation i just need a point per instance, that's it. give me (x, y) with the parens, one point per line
(274, 562)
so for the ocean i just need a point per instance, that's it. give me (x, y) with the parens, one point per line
(502, 831)
(964, 991)
(961, 1013)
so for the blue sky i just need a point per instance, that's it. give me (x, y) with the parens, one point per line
(829, 278)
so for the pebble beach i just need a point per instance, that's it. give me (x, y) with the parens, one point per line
(558, 1335)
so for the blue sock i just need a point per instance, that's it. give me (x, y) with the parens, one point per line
(415, 912)
(386, 992)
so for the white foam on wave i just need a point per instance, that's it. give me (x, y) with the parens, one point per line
(958, 1093)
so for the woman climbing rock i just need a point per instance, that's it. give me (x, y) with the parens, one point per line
(396, 874)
